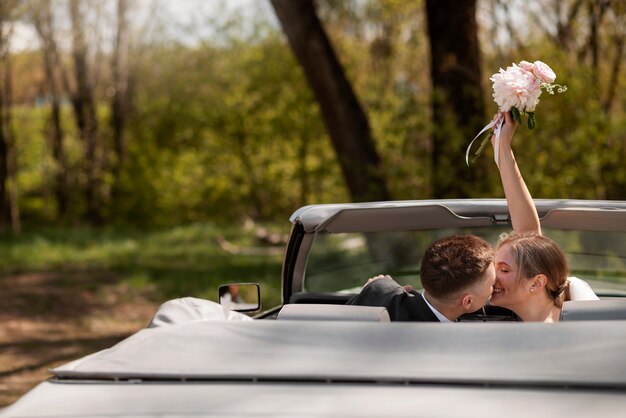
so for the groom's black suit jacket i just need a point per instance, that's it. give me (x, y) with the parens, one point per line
(402, 305)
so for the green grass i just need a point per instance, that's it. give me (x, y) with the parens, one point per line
(180, 261)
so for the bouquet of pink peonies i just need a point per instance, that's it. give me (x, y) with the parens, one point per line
(517, 90)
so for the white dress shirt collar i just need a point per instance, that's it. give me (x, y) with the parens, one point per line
(439, 315)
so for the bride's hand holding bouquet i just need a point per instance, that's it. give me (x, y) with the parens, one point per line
(507, 130)
(517, 90)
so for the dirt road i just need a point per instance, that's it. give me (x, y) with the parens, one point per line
(47, 319)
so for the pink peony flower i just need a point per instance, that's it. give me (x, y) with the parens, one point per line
(516, 87)
(528, 66)
(543, 72)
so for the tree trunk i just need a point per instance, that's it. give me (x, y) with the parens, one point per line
(564, 31)
(119, 106)
(9, 207)
(4, 154)
(85, 111)
(42, 19)
(615, 72)
(593, 41)
(8, 167)
(457, 102)
(345, 120)
(303, 153)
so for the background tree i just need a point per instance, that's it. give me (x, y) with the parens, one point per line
(457, 99)
(120, 92)
(224, 123)
(584, 41)
(42, 18)
(9, 207)
(85, 113)
(347, 124)
(383, 48)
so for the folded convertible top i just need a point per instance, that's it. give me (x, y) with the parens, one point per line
(581, 354)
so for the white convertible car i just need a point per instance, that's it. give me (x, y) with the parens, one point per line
(313, 356)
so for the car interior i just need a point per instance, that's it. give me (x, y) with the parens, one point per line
(586, 310)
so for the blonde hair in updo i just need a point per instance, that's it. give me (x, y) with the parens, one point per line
(536, 254)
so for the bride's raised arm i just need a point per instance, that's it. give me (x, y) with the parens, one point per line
(521, 207)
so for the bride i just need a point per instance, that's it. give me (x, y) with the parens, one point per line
(531, 269)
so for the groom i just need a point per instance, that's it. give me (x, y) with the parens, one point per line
(457, 274)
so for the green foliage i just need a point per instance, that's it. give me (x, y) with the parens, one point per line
(573, 152)
(178, 261)
(35, 162)
(382, 48)
(227, 131)
(531, 120)
(228, 128)
(517, 117)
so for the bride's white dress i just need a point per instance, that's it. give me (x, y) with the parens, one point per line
(580, 290)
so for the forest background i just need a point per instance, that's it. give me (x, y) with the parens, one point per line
(148, 153)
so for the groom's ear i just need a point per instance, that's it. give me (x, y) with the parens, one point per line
(466, 301)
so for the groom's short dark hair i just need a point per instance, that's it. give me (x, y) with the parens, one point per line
(452, 264)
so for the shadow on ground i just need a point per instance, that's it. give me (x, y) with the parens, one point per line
(51, 318)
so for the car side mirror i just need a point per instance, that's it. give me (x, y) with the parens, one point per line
(240, 297)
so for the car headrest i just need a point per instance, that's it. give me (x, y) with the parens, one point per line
(324, 312)
(594, 310)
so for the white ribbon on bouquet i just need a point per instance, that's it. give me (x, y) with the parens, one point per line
(496, 125)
